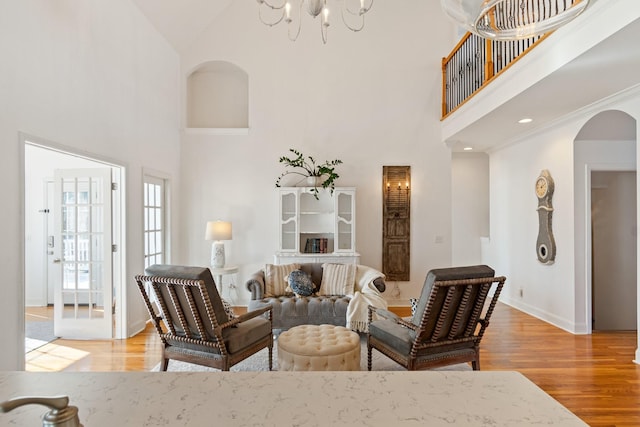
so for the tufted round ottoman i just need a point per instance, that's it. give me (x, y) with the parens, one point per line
(319, 348)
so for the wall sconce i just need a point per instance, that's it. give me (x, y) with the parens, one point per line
(399, 186)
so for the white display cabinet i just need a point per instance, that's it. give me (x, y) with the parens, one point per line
(318, 229)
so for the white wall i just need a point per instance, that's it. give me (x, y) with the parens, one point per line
(556, 293)
(370, 99)
(95, 77)
(547, 289)
(469, 206)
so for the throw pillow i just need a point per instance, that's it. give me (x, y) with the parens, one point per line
(228, 309)
(414, 305)
(338, 279)
(300, 283)
(275, 278)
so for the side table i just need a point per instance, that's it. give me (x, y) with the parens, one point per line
(218, 275)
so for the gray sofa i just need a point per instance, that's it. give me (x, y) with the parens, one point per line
(289, 311)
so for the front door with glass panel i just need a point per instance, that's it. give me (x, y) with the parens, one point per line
(83, 271)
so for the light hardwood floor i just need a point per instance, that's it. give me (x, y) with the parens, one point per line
(592, 375)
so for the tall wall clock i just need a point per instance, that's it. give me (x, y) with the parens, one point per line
(546, 244)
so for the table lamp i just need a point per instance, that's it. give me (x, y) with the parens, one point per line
(218, 231)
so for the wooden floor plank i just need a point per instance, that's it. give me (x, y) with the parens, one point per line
(592, 375)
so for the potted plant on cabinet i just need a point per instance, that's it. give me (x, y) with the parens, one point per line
(317, 174)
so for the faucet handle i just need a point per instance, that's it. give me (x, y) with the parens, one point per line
(61, 414)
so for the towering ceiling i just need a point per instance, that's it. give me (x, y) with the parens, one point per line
(180, 22)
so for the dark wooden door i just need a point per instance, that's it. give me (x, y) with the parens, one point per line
(396, 222)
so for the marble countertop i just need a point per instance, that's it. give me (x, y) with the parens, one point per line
(389, 399)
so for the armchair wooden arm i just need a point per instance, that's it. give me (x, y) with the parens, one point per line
(246, 316)
(388, 315)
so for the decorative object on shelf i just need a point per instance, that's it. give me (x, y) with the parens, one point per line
(316, 229)
(396, 224)
(512, 19)
(290, 11)
(218, 231)
(321, 174)
(317, 245)
(546, 244)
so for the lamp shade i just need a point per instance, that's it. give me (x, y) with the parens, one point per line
(218, 230)
(512, 19)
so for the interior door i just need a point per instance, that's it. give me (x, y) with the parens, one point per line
(83, 262)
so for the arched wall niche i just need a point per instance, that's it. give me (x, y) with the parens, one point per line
(218, 96)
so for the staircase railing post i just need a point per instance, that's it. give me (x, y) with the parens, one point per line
(488, 65)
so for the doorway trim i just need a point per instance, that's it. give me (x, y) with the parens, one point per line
(119, 222)
(594, 167)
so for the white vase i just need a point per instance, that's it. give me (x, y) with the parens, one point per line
(314, 181)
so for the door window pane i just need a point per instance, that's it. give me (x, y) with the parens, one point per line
(154, 227)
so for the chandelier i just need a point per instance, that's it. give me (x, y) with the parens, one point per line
(290, 11)
(512, 19)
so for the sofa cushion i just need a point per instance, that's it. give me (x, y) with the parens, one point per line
(338, 279)
(316, 310)
(275, 278)
(300, 283)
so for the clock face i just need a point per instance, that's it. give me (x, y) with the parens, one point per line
(542, 186)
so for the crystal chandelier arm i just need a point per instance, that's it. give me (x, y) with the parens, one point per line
(295, 37)
(270, 24)
(354, 21)
(271, 6)
(354, 29)
(361, 11)
(324, 24)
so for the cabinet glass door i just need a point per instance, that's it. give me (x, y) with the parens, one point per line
(345, 217)
(288, 222)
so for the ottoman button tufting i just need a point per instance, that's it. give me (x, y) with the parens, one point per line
(319, 347)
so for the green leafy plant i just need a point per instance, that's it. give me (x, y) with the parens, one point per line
(306, 166)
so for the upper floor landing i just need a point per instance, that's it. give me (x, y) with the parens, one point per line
(591, 58)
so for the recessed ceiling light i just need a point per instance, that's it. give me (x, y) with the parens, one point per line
(468, 148)
(525, 120)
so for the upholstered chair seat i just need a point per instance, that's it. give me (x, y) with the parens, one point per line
(448, 324)
(192, 321)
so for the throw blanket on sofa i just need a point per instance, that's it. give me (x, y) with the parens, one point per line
(365, 294)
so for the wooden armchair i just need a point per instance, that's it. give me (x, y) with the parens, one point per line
(193, 324)
(448, 324)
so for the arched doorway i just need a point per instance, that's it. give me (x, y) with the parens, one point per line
(605, 167)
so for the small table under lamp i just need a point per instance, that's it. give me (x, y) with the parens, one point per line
(218, 275)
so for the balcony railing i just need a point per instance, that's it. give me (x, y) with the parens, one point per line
(474, 63)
